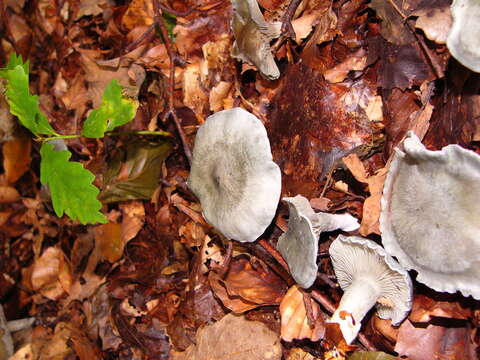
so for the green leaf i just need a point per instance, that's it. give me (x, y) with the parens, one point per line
(23, 104)
(134, 171)
(70, 185)
(170, 21)
(115, 111)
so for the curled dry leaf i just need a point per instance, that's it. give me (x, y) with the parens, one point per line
(294, 318)
(248, 284)
(51, 274)
(233, 338)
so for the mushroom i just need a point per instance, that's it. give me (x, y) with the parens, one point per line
(463, 40)
(299, 244)
(233, 174)
(430, 217)
(368, 276)
(252, 37)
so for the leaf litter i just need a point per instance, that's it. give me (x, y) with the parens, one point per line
(156, 281)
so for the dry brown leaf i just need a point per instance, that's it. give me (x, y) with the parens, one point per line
(435, 342)
(424, 308)
(371, 206)
(133, 220)
(303, 25)
(355, 62)
(300, 354)
(248, 284)
(8, 194)
(192, 233)
(321, 203)
(92, 7)
(16, 158)
(194, 96)
(219, 98)
(139, 13)
(108, 237)
(385, 328)
(435, 23)
(233, 338)
(294, 318)
(51, 274)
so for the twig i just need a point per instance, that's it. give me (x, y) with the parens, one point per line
(275, 254)
(323, 300)
(307, 302)
(146, 35)
(174, 60)
(287, 28)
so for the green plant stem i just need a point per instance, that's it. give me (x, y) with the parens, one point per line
(139, 132)
(115, 133)
(58, 137)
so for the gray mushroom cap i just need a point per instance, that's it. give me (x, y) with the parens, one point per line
(368, 276)
(299, 244)
(463, 40)
(233, 174)
(430, 218)
(252, 37)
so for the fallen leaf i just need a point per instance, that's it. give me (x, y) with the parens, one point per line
(371, 206)
(247, 285)
(108, 237)
(435, 23)
(134, 171)
(312, 124)
(194, 96)
(355, 62)
(435, 342)
(8, 194)
(371, 355)
(424, 308)
(300, 354)
(393, 26)
(51, 274)
(233, 338)
(294, 318)
(16, 158)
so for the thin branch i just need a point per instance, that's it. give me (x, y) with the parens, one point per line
(287, 28)
(174, 60)
(149, 33)
(275, 254)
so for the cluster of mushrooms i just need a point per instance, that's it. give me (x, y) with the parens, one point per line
(429, 219)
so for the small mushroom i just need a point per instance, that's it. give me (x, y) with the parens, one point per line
(463, 40)
(368, 276)
(299, 244)
(233, 174)
(430, 217)
(252, 37)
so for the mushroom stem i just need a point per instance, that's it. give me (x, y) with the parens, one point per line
(356, 301)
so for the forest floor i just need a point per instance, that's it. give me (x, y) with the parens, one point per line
(157, 281)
